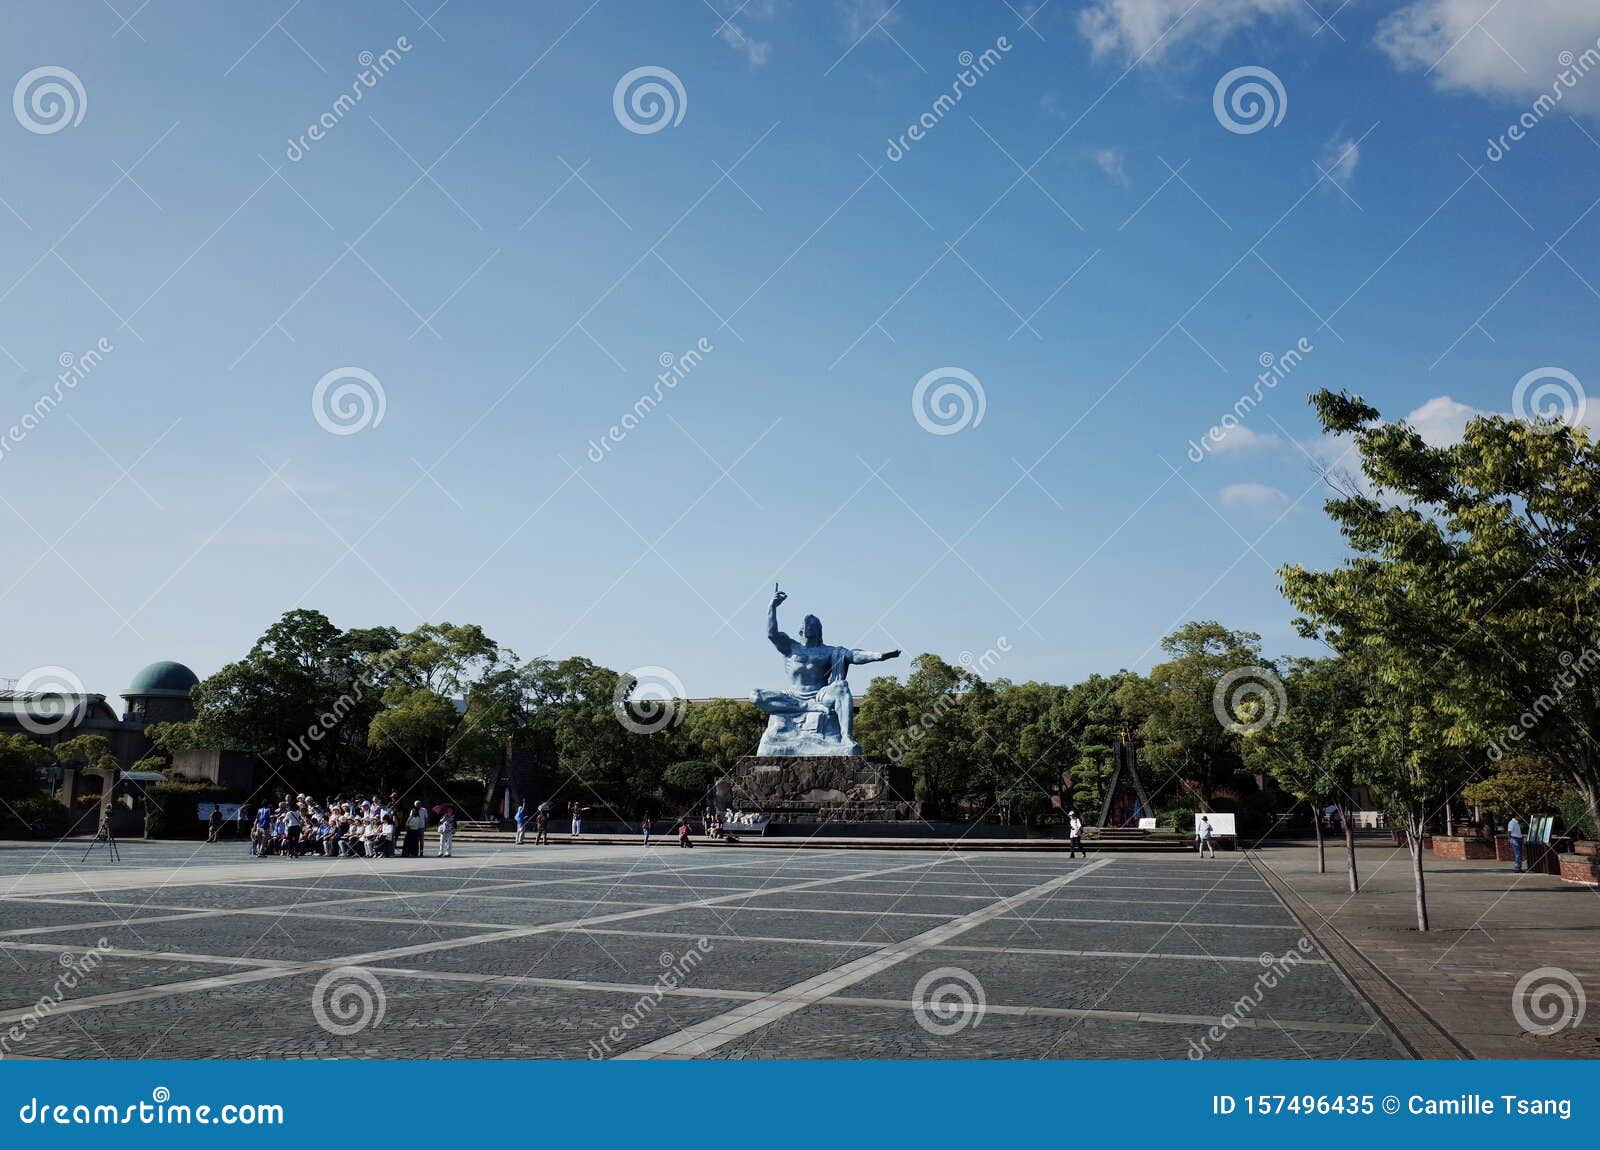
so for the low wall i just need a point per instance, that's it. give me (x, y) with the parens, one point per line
(1462, 847)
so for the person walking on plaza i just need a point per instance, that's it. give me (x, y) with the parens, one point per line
(577, 817)
(1204, 835)
(645, 827)
(1514, 833)
(1075, 836)
(541, 827)
(522, 820)
(447, 832)
(214, 824)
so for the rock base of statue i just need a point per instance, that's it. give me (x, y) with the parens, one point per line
(820, 789)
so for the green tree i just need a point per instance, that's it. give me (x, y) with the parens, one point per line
(1309, 749)
(1181, 732)
(21, 761)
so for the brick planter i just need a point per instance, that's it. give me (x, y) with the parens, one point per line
(1583, 869)
(1586, 847)
(1462, 847)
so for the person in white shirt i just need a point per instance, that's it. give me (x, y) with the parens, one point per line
(1514, 833)
(1204, 836)
(1075, 836)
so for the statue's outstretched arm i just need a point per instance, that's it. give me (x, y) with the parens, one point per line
(857, 656)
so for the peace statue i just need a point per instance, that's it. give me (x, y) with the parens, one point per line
(814, 716)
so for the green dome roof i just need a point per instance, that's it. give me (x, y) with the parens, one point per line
(163, 678)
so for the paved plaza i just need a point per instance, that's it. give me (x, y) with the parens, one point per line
(565, 951)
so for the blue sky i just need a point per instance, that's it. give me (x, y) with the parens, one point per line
(485, 237)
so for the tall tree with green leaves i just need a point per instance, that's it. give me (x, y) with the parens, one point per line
(1310, 749)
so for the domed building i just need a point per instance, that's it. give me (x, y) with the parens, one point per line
(160, 694)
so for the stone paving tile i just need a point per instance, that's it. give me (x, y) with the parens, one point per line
(365, 878)
(877, 904)
(19, 914)
(1131, 937)
(1167, 986)
(1149, 912)
(720, 964)
(277, 938)
(422, 1018)
(471, 908)
(221, 897)
(830, 1031)
(26, 976)
(780, 924)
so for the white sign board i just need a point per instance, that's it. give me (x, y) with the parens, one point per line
(230, 811)
(1147, 824)
(1221, 824)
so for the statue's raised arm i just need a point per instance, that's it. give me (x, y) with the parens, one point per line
(782, 642)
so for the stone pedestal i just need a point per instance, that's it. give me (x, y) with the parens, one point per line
(821, 788)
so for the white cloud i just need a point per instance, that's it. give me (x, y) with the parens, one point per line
(861, 16)
(1240, 439)
(1339, 159)
(738, 37)
(1255, 499)
(1132, 28)
(1442, 422)
(755, 51)
(1506, 50)
(1111, 162)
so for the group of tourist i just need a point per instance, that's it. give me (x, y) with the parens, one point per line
(349, 828)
